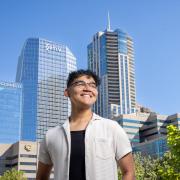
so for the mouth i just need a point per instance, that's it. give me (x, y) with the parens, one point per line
(86, 95)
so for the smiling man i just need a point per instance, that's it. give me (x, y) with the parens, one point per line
(86, 146)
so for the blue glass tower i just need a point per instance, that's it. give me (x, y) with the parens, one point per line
(111, 56)
(43, 68)
(10, 112)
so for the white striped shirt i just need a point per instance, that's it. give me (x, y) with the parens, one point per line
(105, 143)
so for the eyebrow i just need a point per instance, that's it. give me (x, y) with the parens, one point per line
(83, 82)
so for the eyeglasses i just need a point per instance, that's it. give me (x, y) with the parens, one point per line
(83, 84)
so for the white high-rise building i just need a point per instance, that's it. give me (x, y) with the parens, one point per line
(111, 57)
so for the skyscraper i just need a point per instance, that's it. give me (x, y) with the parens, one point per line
(111, 56)
(10, 112)
(43, 68)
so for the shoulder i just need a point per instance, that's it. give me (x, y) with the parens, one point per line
(108, 123)
(54, 132)
(105, 120)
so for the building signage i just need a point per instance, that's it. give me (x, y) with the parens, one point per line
(52, 47)
(27, 147)
(12, 85)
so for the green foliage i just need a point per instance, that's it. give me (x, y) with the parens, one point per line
(169, 165)
(165, 168)
(145, 167)
(173, 140)
(13, 174)
(119, 175)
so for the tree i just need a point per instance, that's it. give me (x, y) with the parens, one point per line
(165, 168)
(13, 174)
(169, 165)
(145, 167)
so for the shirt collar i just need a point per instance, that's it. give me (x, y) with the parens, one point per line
(66, 125)
(94, 117)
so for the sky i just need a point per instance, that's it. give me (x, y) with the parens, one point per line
(154, 26)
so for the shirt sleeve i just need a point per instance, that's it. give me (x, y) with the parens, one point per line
(44, 155)
(122, 143)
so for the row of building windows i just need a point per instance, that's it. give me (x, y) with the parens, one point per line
(133, 127)
(28, 163)
(11, 165)
(12, 157)
(52, 64)
(28, 155)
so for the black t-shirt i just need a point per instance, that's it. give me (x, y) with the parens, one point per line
(77, 158)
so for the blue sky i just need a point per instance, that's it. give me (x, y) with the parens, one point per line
(153, 25)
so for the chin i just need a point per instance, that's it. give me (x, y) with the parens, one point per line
(83, 104)
(86, 105)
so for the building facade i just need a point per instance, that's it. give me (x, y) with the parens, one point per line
(10, 112)
(132, 123)
(154, 127)
(111, 57)
(23, 156)
(43, 68)
(148, 131)
(154, 148)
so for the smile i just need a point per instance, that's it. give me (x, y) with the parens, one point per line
(86, 95)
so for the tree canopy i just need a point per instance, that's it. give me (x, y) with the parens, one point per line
(13, 174)
(169, 165)
(165, 168)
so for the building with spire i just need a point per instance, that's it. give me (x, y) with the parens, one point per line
(43, 68)
(111, 56)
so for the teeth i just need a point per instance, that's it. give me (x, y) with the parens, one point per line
(86, 95)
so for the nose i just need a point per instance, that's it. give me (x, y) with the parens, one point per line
(86, 86)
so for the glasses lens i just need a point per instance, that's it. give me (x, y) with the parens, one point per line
(92, 84)
(82, 83)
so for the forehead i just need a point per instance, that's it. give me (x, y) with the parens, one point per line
(85, 78)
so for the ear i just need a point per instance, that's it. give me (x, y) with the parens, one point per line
(66, 93)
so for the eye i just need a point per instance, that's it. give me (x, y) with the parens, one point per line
(93, 85)
(80, 83)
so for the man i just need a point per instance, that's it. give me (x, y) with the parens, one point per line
(86, 146)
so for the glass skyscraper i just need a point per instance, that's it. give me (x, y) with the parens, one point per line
(10, 112)
(111, 56)
(43, 68)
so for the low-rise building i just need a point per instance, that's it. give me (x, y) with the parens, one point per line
(22, 156)
(147, 131)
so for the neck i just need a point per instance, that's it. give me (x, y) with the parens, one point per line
(79, 115)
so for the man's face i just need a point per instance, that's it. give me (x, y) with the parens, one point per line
(82, 92)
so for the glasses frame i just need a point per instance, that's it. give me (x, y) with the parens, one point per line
(83, 84)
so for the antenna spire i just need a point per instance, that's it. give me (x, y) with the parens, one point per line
(109, 25)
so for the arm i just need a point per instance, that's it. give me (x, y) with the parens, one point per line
(44, 171)
(45, 163)
(123, 153)
(126, 164)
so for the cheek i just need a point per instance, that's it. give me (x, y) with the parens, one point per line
(73, 94)
(96, 93)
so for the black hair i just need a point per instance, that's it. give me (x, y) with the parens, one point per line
(75, 74)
